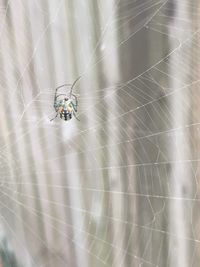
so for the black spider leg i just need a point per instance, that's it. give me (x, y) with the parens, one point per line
(74, 114)
(75, 105)
(57, 88)
(54, 117)
(70, 94)
(66, 84)
(58, 96)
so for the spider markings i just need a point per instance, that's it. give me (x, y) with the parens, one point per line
(67, 106)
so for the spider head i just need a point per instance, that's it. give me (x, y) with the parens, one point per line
(66, 98)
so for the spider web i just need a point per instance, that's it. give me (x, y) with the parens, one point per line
(120, 188)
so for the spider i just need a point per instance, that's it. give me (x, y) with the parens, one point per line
(67, 106)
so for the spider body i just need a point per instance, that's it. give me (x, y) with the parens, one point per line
(66, 107)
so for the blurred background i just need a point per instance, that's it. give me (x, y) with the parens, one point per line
(120, 187)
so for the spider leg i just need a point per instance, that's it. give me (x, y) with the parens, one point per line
(76, 102)
(58, 96)
(74, 114)
(70, 94)
(54, 117)
(74, 106)
(75, 96)
(66, 84)
(57, 88)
